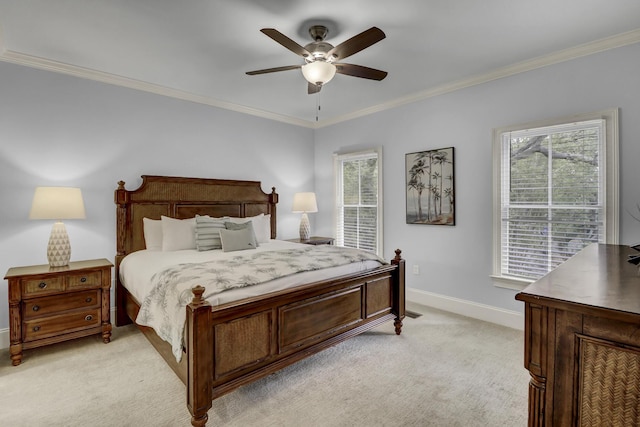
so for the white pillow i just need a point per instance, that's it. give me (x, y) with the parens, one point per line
(264, 235)
(152, 234)
(178, 234)
(261, 226)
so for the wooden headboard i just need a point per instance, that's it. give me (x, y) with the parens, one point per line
(180, 197)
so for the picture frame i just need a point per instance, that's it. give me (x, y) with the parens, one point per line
(430, 187)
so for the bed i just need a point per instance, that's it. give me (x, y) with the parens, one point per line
(236, 342)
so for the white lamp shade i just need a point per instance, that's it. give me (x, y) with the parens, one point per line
(318, 72)
(57, 203)
(304, 202)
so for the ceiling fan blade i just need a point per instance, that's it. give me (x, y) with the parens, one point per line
(311, 88)
(286, 42)
(356, 43)
(360, 71)
(273, 70)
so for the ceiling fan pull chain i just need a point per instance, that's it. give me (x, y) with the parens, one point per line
(317, 105)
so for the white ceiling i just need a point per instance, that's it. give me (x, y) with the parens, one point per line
(200, 49)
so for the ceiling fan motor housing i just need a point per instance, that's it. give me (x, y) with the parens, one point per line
(319, 51)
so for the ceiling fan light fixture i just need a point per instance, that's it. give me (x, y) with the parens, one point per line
(318, 72)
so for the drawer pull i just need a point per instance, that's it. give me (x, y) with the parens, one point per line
(82, 280)
(36, 328)
(88, 317)
(42, 285)
(36, 308)
(88, 299)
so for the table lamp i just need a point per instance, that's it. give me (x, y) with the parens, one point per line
(57, 203)
(304, 203)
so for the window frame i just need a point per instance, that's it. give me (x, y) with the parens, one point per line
(610, 175)
(337, 176)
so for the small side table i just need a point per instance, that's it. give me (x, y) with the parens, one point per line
(315, 240)
(53, 304)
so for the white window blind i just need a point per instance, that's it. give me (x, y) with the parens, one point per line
(554, 195)
(358, 197)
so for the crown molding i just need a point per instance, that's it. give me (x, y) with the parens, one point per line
(620, 40)
(114, 79)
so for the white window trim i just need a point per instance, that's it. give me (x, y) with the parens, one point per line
(337, 157)
(612, 184)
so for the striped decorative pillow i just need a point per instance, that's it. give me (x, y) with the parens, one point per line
(208, 232)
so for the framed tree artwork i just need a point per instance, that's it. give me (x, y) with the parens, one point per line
(430, 187)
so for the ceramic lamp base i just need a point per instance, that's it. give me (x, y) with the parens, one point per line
(59, 249)
(305, 228)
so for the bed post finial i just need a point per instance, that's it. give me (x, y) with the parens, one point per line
(197, 295)
(120, 185)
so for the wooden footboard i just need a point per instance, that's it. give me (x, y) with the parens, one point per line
(237, 343)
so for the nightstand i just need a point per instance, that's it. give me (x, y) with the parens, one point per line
(53, 304)
(314, 240)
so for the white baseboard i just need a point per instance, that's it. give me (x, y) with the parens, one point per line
(500, 316)
(4, 338)
(4, 333)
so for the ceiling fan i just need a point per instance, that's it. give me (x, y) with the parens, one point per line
(320, 57)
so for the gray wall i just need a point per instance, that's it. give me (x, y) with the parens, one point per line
(456, 261)
(62, 130)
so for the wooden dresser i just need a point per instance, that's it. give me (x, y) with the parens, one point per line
(582, 341)
(52, 304)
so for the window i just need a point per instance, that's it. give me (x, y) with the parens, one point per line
(359, 200)
(555, 192)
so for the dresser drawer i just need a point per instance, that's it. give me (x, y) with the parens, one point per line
(45, 327)
(92, 279)
(43, 286)
(57, 303)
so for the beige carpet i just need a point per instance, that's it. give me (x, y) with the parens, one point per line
(444, 370)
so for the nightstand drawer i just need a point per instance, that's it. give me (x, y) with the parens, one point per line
(91, 279)
(45, 327)
(53, 304)
(31, 287)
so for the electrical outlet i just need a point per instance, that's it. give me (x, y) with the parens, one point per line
(416, 269)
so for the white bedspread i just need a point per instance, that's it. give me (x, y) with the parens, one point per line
(138, 269)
